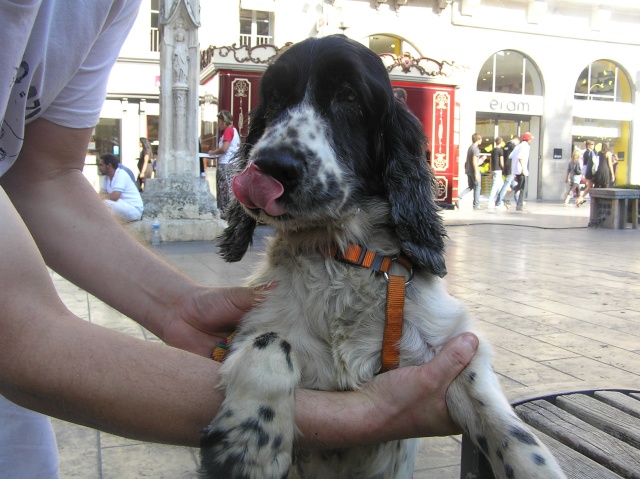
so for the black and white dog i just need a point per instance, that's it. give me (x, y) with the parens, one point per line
(332, 160)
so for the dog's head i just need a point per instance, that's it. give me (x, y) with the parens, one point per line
(327, 137)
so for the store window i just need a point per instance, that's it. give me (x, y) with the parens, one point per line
(602, 80)
(380, 43)
(600, 114)
(509, 71)
(256, 28)
(106, 137)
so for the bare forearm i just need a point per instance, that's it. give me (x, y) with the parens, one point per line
(67, 221)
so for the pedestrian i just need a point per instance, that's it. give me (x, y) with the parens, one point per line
(614, 163)
(520, 169)
(604, 171)
(574, 175)
(497, 164)
(507, 171)
(145, 163)
(590, 163)
(228, 145)
(118, 192)
(472, 169)
(56, 363)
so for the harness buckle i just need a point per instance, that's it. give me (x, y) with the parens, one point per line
(406, 265)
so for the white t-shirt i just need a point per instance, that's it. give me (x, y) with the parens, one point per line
(520, 152)
(121, 182)
(55, 61)
(234, 145)
(57, 55)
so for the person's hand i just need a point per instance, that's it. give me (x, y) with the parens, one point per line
(415, 395)
(207, 316)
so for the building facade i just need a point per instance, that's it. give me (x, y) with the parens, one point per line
(131, 109)
(565, 70)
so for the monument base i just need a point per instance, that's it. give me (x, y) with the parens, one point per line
(185, 208)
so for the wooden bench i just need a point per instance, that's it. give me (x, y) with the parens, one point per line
(610, 206)
(593, 434)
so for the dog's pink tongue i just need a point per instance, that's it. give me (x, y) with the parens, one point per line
(256, 189)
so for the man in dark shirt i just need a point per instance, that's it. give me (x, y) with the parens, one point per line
(472, 169)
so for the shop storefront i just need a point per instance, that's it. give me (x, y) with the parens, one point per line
(508, 103)
(603, 112)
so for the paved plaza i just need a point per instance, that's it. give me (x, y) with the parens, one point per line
(559, 301)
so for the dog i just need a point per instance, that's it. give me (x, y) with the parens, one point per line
(335, 164)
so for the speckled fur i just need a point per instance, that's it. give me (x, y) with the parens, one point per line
(360, 179)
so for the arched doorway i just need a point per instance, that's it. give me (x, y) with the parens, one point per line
(510, 102)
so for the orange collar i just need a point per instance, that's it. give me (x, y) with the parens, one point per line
(359, 256)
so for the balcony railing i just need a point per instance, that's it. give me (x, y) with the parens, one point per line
(255, 40)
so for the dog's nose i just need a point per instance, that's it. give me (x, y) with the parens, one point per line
(281, 165)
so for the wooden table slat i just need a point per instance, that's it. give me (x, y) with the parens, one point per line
(599, 446)
(606, 418)
(574, 464)
(624, 402)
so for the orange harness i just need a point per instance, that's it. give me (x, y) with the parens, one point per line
(360, 256)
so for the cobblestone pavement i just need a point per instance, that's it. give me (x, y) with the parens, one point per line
(560, 303)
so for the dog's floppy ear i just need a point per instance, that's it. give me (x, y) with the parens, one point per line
(238, 235)
(411, 187)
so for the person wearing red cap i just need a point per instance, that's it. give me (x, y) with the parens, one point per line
(520, 159)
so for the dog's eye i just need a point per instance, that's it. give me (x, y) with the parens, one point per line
(345, 94)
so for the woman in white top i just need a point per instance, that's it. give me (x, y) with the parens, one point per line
(228, 146)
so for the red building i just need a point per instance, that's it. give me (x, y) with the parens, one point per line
(426, 82)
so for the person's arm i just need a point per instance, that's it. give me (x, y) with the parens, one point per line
(63, 366)
(609, 156)
(77, 236)
(476, 167)
(113, 196)
(222, 150)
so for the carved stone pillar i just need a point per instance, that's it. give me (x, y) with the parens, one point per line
(178, 196)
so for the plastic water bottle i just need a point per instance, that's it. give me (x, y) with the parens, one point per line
(155, 235)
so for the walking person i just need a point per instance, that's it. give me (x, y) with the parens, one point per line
(472, 169)
(520, 168)
(507, 171)
(497, 164)
(574, 176)
(145, 162)
(590, 162)
(604, 171)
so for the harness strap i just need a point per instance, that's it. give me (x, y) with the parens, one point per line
(393, 325)
(396, 286)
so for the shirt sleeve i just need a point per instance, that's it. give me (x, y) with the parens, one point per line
(228, 135)
(79, 104)
(118, 181)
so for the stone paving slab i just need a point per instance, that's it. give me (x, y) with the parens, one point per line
(558, 316)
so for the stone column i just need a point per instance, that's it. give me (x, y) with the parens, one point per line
(178, 197)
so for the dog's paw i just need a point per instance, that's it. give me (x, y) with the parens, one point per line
(252, 435)
(247, 446)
